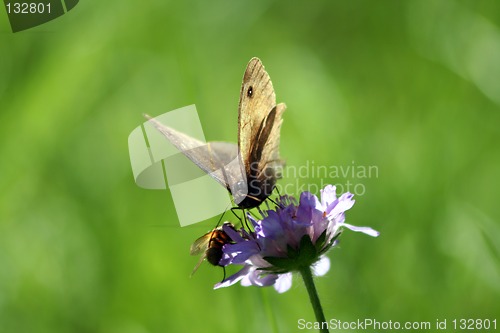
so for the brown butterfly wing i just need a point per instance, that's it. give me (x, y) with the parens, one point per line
(257, 99)
(266, 167)
(258, 132)
(217, 159)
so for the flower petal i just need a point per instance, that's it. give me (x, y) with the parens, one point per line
(344, 203)
(258, 278)
(321, 267)
(242, 273)
(232, 233)
(366, 230)
(283, 283)
(238, 253)
(306, 205)
(328, 195)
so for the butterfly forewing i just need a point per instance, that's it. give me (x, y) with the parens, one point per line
(257, 99)
(258, 133)
(215, 158)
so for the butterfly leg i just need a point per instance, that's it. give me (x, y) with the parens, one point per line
(243, 222)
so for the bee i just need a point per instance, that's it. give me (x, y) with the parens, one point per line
(210, 245)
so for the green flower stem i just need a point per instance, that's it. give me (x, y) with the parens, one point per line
(306, 273)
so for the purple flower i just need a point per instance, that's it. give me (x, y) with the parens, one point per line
(287, 238)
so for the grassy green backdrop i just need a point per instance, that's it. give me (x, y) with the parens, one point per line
(411, 87)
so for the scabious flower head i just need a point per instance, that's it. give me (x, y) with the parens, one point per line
(288, 238)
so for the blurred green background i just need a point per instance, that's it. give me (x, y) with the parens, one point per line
(411, 87)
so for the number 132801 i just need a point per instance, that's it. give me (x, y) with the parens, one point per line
(28, 8)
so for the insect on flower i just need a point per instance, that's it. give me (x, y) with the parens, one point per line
(210, 245)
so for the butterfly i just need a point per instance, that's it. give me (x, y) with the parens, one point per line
(249, 170)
